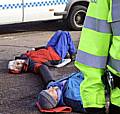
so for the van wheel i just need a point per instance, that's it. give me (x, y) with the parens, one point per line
(76, 17)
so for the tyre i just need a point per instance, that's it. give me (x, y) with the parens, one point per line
(76, 17)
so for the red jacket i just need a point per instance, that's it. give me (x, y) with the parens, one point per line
(42, 56)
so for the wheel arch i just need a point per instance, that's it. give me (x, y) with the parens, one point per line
(73, 3)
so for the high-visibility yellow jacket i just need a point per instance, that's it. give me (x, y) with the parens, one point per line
(99, 46)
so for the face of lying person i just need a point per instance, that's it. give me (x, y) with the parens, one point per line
(53, 92)
(15, 66)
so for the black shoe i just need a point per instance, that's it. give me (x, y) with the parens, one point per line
(114, 109)
(95, 110)
(73, 56)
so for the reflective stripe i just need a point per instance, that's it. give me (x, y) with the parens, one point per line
(32, 4)
(115, 10)
(11, 6)
(91, 60)
(116, 28)
(114, 64)
(97, 25)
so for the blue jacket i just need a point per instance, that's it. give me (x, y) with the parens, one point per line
(62, 43)
(70, 91)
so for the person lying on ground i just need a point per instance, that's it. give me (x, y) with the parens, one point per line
(52, 54)
(63, 92)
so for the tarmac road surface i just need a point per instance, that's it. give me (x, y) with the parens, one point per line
(18, 92)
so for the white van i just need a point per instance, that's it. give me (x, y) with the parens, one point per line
(18, 11)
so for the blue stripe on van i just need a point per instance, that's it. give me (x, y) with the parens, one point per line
(32, 4)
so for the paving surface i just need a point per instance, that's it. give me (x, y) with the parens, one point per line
(18, 92)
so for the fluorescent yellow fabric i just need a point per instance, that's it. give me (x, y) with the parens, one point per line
(97, 43)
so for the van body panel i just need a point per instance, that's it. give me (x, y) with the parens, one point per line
(11, 11)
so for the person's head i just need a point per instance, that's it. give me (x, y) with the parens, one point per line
(48, 98)
(15, 66)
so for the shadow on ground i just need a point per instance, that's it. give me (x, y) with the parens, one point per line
(34, 26)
